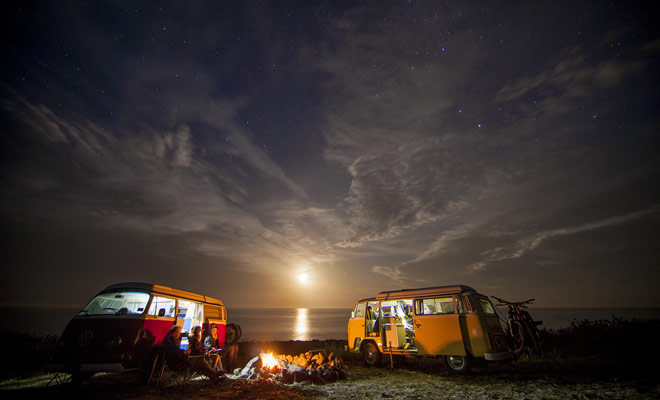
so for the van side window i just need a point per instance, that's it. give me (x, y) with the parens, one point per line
(441, 305)
(214, 312)
(459, 305)
(359, 310)
(162, 307)
(191, 313)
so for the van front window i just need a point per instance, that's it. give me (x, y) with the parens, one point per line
(486, 306)
(118, 303)
(359, 310)
(162, 307)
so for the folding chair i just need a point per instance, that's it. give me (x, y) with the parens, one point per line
(59, 378)
(161, 372)
(157, 365)
(218, 366)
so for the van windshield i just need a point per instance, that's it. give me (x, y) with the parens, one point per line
(486, 306)
(117, 303)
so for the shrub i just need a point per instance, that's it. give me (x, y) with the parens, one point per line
(25, 354)
(615, 338)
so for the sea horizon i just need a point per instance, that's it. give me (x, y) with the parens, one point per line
(281, 324)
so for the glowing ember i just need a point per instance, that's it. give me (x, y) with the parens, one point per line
(269, 361)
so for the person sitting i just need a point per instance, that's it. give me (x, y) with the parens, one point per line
(178, 359)
(212, 344)
(174, 356)
(142, 345)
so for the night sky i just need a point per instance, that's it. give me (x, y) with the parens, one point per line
(309, 154)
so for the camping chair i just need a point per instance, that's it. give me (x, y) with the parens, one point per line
(59, 378)
(161, 372)
(212, 357)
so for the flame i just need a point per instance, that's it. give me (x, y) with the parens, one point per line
(269, 361)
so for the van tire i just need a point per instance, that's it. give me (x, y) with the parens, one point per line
(458, 364)
(371, 355)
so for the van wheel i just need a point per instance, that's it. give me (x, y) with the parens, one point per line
(459, 364)
(371, 355)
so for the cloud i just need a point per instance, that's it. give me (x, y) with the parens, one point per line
(390, 122)
(533, 241)
(451, 160)
(393, 273)
(223, 117)
(179, 144)
(410, 186)
(570, 78)
(171, 183)
(444, 241)
(387, 125)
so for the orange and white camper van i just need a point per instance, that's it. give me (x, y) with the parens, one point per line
(105, 335)
(453, 322)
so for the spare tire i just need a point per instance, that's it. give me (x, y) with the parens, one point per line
(232, 334)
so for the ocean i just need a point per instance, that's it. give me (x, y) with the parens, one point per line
(267, 324)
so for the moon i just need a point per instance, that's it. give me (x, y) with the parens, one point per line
(303, 278)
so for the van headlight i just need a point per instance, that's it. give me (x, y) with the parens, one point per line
(115, 341)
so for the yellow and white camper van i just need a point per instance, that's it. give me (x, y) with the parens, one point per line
(454, 322)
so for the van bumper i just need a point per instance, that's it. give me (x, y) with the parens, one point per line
(504, 355)
(87, 368)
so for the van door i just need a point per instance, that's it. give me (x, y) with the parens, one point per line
(398, 327)
(372, 320)
(189, 315)
(161, 316)
(437, 327)
(356, 325)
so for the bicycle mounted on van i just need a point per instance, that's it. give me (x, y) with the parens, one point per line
(453, 322)
(522, 329)
(117, 328)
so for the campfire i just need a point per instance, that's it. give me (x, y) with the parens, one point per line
(313, 366)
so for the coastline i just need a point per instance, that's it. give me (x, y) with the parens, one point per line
(591, 360)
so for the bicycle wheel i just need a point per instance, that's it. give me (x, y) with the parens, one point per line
(535, 337)
(517, 334)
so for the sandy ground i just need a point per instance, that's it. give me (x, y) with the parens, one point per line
(416, 380)
(509, 383)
